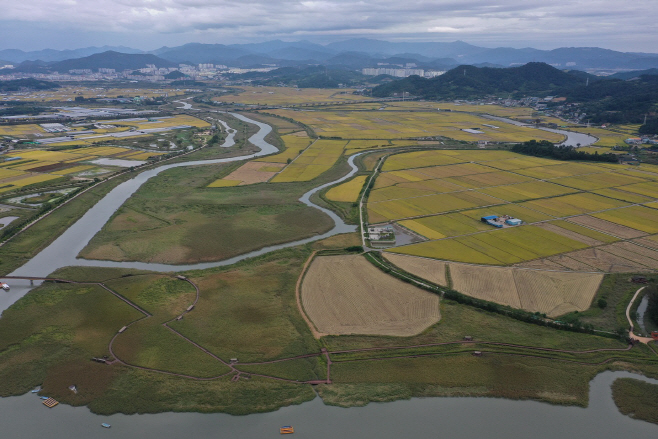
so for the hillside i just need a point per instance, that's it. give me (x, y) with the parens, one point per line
(111, 60)
(468, 81)
(30, 83)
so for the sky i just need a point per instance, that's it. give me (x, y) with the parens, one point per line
(629, 26)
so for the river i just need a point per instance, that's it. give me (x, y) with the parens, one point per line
(572, 138)
(25, 416)
(449, 418)
(63, 251)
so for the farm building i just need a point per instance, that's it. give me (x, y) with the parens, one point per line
(385, 233)
(501, 221)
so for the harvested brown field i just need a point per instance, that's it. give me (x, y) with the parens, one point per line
(429, 269)
(554, 292)
(571, 263)
(495, 284)
(254, 172)
(348, 295)
(606, 226)
(649, 241)
(604, 261)
(635, 253)
(541, 264)
(569, 234)
(550, 292)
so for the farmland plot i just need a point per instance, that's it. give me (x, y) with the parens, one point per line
(348, 295)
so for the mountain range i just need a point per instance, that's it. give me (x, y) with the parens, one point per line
(358, 53)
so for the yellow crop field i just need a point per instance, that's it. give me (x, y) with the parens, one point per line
(347, 192)
(621, 194)
(598, 181)
(430, 204)
(22, 130)
(349, 295)
(489, 178)
(317, 159)
(69, 93)
(446, 225)
(224, 183)
(575, 204)
(417, 160)
(649, 189)
(33, 178)
(289, 95)
(514, 210)
(636, 217)
(497, 247)
(560, 169)
(167, 122)
(72, 170)
(527, 191)
(294, 146)
(405, 124)
(519, 163)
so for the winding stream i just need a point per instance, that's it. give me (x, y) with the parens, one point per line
(418, 417)
(572, 138)
(63, 251)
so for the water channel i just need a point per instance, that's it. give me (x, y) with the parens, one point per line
(418, 417)
(445, 418)
(572, 138)
(63, 251)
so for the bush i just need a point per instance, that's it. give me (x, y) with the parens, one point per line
(602, 303)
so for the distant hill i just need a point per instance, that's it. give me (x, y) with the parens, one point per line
(197, 53)
(304, 53)
(29, 83)
(468, 81)
(634, 74)
(50, 55)
(112, 60)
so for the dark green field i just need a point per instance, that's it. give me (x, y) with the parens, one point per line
(174, 218)
(248, 311)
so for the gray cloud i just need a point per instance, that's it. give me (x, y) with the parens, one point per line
(513, 22)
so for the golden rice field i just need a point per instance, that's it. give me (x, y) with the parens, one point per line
(294, 146)
(70, 93)
(316, 159)
(349, 295)
(289, 96)
(405, 124)
(442, 195)
(22, 130)
(180, 119)
(347, 192)
(37, 165)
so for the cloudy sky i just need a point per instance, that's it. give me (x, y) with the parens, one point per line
(148, 24)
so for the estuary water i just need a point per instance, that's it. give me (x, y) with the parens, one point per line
(572, 138)
(24, 417)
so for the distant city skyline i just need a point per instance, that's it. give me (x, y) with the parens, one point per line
(149, 24)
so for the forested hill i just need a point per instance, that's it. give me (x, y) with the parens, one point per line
(29, 83)
(469, 81)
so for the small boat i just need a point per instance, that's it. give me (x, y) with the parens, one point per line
(43, 397)
(37, 390)
(105, 425)
(4, 286)
(286, 429)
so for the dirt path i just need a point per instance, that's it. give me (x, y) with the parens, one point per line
(236, 373)
(298, 296)
(644, 340)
